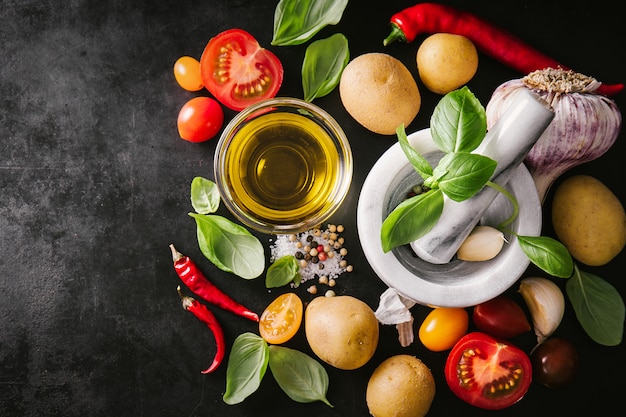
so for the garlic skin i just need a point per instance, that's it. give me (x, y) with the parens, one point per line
(546, 303)
(585, 124)
(482, 244)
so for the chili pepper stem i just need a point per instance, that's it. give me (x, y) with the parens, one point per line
(176, 255)
(396, 35)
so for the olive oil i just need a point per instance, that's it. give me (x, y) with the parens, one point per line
(282, 168)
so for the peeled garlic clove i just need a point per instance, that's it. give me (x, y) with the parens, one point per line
(546, 303)
(482, 244)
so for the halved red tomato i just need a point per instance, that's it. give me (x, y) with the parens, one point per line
(488, 373)
(238, 71)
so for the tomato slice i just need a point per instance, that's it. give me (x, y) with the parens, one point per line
(488, 373)
(238, 71)
(281, 319)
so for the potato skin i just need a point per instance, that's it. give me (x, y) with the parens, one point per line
(342, 331)
(446, 62)
(589, 220)
(401, 386)
(379, 92)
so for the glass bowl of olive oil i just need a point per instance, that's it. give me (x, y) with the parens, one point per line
(283, 165)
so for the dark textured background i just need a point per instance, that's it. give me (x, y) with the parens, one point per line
(94, 185)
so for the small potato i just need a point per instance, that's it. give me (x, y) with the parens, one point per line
(379, 92)
(342, 331)
(401, 386)
(589, 220)
(446, 62)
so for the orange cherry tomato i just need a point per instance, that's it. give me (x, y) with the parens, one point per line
(281, 319)
(200, 119)
(187, 73)
(443, 327)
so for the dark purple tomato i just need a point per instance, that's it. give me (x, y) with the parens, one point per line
(555, 363)
(500, 317)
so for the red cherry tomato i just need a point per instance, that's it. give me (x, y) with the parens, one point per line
(488, 373)
(187, 73)
(555, 363)
(500, 317)
(200, 119)
(237, 71)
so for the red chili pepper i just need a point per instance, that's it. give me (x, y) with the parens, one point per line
(493, 41)
(206, 316)
(195, 280)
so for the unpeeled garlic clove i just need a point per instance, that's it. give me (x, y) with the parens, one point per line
(546, 303)
(482, 244)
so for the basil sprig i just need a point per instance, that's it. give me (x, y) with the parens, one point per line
(324, 62)
(458, 126)
(300, 376)
(297, 21)
(229, 246)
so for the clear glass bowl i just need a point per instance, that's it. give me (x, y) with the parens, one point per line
(283, 165)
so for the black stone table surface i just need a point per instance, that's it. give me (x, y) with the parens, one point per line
(94, 186)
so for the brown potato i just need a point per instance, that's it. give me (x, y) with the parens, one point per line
(589, 220)
(401, 386)
(379, 92)
(446, 62)
(342, 331)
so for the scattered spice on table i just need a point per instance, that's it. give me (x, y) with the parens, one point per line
(321, 253)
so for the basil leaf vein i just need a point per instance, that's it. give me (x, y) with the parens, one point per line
(229, 246)
(463, 174)
(548, 254)
(205, 197)
(283, 271)
(458, 122)
(598, 307)
(247, 364)
(411, 219)
(301, 377)
(297, 21)
(324, 62)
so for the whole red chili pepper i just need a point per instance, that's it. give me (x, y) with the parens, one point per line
(500, 45)
(195, 280)
(206, 316)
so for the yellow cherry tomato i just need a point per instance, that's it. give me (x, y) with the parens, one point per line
(443, 327)
(187, 73)
(281, 319)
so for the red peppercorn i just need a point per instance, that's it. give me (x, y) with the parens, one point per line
(322, 256)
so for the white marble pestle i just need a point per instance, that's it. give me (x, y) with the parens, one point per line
(507, 142)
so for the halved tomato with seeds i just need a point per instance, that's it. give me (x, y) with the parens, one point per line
(238, 71)
(488, 373)
(281, 319)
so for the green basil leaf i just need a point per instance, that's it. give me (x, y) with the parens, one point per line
(297, 21)
(461, 175)
(324, 61)
(283, 271)
(598, 307)
(411, 219)
(229, 246)
(247, 364)
(548, 254)
(301, 377)
(458, 122)
(205, 197)
(420, 163)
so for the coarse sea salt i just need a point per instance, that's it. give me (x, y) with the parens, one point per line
(331, 267)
